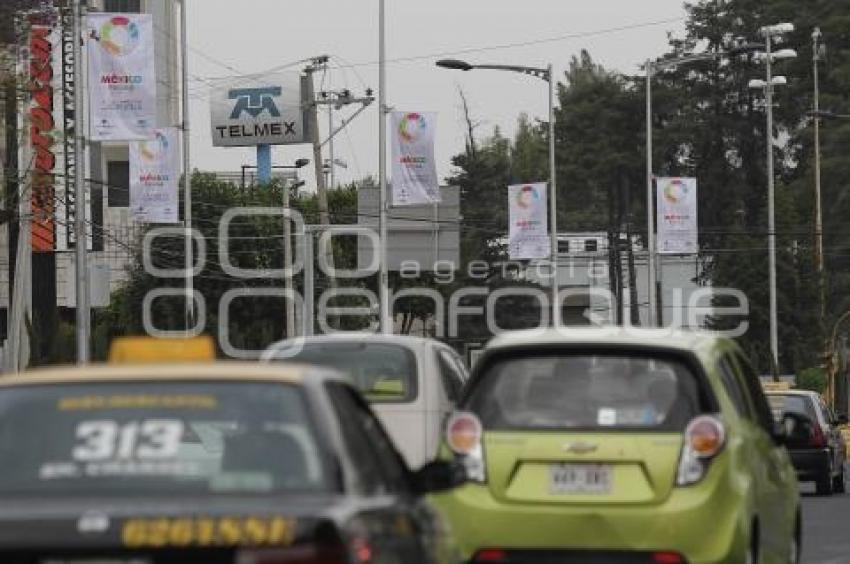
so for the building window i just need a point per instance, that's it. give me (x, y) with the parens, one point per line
(126, 6)
(118, 184)
(590, 245)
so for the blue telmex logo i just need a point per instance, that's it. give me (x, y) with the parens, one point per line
(254, 101)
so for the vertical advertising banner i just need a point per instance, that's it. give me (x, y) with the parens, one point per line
(43, 44)
(677, 215)
(414, 170)
(154, 194)
(122, 83)
(528, 235)
(65, 205)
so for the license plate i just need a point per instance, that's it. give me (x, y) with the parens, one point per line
(580, 478)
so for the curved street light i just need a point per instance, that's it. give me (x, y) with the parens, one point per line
(545, 74)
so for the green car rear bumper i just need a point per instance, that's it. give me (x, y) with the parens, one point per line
(706, 523)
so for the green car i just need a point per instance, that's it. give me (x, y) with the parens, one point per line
(621, 445)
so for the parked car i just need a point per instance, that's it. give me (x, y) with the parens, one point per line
(615, 445)
(221, 463)
(412, 383)
(822, 455)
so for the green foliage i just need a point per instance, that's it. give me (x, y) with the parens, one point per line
(255, 242)
(813, 379)
(708, 124)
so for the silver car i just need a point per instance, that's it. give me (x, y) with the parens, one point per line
(412, 383)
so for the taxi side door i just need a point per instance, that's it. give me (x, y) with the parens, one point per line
(402, 526)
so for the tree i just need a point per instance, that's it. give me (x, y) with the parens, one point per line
(254, 243)
(712, 126)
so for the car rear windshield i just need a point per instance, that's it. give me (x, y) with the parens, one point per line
(164, 438)
(586, 391)
(784, 403)
(382, 372)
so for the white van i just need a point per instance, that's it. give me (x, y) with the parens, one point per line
(412, 383)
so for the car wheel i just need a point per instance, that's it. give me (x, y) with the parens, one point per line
(823, 485)
(794, 551)
(753, 552)
(838, 482)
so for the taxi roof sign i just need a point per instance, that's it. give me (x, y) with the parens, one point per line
(776, 386)
(125, 350)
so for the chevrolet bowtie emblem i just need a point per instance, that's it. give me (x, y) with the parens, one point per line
(580, 447)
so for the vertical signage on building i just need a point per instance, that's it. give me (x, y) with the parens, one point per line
(677, 215)
(42, 43)
(65, 211)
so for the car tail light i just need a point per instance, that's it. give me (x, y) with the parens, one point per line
(306, 554)
(668, 558)
(490, 555)
(704, 439)
(464, 435)
(817, 439)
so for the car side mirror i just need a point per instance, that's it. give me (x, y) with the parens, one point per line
(438, 476)
(794, 428)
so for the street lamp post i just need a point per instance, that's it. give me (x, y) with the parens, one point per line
(769, 33)
(651, 67)
(547, 75)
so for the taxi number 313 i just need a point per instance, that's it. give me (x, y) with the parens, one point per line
(152, 439)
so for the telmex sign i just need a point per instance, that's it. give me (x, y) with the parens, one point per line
(258, 110)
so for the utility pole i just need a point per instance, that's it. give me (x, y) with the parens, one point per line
(771, 214)
(817, 51)
(81, 246)
(187, 169)
(650, 207)
(331, 164)
(316, 64)
(287, 263)
(383, 278)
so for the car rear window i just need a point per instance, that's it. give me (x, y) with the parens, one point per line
(586, 391)
(784, 403)
(165, 438)
(382, 372)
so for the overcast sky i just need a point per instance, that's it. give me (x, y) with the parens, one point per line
(250, 36)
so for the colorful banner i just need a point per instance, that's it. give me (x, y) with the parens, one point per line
(44, 122)
(154, 178)
(122, 83)
(677, 215)
(528, 235)
(414, 170)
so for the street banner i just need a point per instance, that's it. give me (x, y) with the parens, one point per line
(677, 215)
(414, 170)
(528, 235)
(154, 178)
(122, 82)
(258, 110)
